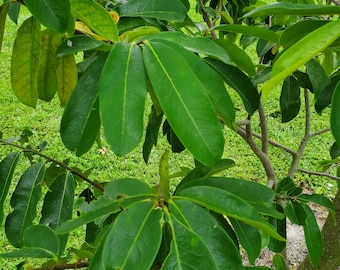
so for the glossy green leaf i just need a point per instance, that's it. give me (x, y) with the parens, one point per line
(95, 17)
(238, 56)
(39, 241)
(249, 237)
(58, 203)
(54, 14)
(25, 62)
(122, 93)
(80, 123)
(295, 212)
(286, 185)
(186, 103)
(301, 52)
(221, 247)
(281, 227)
(279, 262)
(312, 236)
(3, 13)
(292, 9)
(240, 83)
(186, 248)
(290, 99)
(226, 203)
(47, 72)
(24, 201)
(134, 239)
(7, 167)
(199, 45)
(335, 114)
(81, 43)
(164, 10)
(260, 32)
(152, 131)
(324, 98)
(317, 76)
(320, 200)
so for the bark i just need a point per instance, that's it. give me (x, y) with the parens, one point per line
(330, 259)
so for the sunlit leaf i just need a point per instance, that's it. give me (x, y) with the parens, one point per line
(301, 52)
(186, 103)
(25, 62)
(122, 93)
(24, 201)
(7, 167)
(134, 239)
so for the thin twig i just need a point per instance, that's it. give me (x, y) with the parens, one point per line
(219, 12)
(319, 132)
(206, 18)
(319, 174)
(264, 129)
(77, 265)
(61, 164)
(336, 2)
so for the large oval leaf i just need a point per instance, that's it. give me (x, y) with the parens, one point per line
(301, 52)
(7, 167)
(122, 93)
(58, 203)
(134, 239)
(185, 101)
(25, 62)
(80, 123)
(173, 10)
(24, 201)
(221, 247)
(54, 14)
(317, 76)
(290, 99)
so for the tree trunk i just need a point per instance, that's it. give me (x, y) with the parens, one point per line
(330, 259)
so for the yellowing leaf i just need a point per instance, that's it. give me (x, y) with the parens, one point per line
(81, 27)
(114, 16)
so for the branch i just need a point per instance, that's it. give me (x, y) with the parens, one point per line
(319, 174)
(61, 164)
(206, 18)
(77, 265)
(336, 2)
(319, 132)
(264, 129)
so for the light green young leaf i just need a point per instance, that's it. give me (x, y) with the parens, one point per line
(173, 10)
(122, 93)
(3, 13)
(25, 62)
(24, 201)
(185, 102)
(283, 8)
(80, 123)
(301, 52)
(7, 167)
(95, 17)
(54, 14)
(134, 239)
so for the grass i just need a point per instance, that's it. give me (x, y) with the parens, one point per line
(45, 119)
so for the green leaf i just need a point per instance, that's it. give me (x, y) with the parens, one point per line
(152, 131)
(24, 201)
(312, 236)
(290, 99)
(324, 98)
(320, 200)
(226, 203)
(293, 9)
(134, 239)
(186, 103)
(317, 76)
(238, 56)
(301, 52)
(199, 45)
(7, 167)
(95, 17)
(164, 10)
(80, 123)
(249, 237)
(25, 62)
(186, 248)
(54, 14)
(122, 93)
(281, 227)
(81, 43)
(47, 74)
(260, 32)
(279, 262)
(335, 114)
(295, 212)
(3, 13)
(13, 11)
(221, 247)
(240, 83)
(58, 203)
